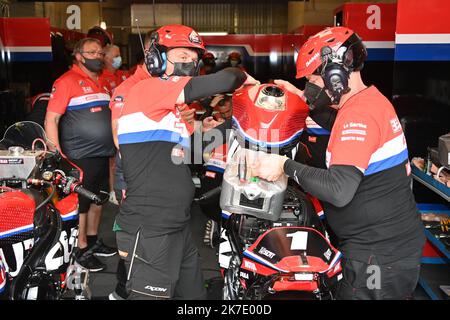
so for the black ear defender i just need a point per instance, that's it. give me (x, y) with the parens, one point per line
(335, 73)
(156, 57)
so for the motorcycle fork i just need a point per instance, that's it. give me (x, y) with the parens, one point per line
(236, 244)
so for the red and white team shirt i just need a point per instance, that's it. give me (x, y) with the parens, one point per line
(367, 134)
(113, 80)
(118, 98)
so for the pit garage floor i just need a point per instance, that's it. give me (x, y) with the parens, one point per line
(103, 283)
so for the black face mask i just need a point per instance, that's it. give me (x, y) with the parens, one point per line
(93, 65)
(183, 69)
(316, 96)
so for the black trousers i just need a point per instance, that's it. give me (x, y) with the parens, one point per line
(95, 178)
(372, 280)
(162, 267)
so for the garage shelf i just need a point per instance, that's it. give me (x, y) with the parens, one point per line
(434, 185)
(433, 276)
(439, 244)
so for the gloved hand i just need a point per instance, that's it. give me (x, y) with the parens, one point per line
(250, 81)
(268, 166)
(216, 100)
(290, 87)
(112, 198)
(187, 114)
(209, 123)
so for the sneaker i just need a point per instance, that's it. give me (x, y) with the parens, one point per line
(88, 261)
(114, 296)
(101, 250)
(210, 233)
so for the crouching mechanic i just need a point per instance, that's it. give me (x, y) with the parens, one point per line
(161, 259)
(366, 189)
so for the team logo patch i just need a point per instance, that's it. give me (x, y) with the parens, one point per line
(396, 126)
(87, 89)
(178, 152)
(194, 37)
(175, 79)
(95, 109)
(210, 174)
(118, 99)
(312, 139)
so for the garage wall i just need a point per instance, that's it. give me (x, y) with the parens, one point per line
(268, 17)
(317, 12)
(421, 72)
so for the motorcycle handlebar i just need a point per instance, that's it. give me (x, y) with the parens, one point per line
(87, 194)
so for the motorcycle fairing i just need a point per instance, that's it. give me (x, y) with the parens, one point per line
(255, 267)
(16, 213)
(275, 249)
(68, 207)
(34, 271)
(268, 127)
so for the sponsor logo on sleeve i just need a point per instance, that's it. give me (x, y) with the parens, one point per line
(396, 126)
(95, 109)
(87, 89)
(210, 174)
(354, 131)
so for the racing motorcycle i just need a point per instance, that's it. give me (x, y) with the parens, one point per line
(39, 218)
(273, 244)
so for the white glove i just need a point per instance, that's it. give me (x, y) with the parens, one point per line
(112, 198)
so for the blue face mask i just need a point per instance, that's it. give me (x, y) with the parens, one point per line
(117, 62)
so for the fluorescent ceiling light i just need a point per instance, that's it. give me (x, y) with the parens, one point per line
(213, 33)
(103, 25)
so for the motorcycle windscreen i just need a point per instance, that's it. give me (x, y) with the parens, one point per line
(31, 136)
(23, 134)
(294, 249)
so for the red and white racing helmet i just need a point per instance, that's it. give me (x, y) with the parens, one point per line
(341, 40)
(179, 36)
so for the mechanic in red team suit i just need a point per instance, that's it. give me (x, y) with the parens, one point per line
(366, 188)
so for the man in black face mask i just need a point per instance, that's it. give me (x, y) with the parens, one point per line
(78, 121)
(322, 114)
(318, 124)
(366, 188)
(153, 235)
